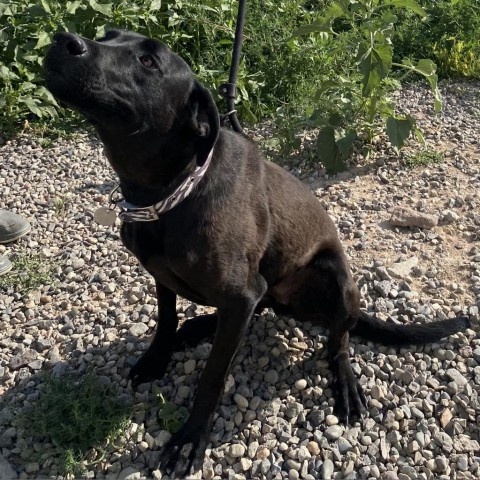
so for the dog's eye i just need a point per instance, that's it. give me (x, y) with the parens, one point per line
(148, 61)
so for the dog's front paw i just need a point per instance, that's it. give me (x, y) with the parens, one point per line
(150, 366)
(184, 453)
(350, 400)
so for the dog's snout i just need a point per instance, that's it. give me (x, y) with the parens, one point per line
(72, 43)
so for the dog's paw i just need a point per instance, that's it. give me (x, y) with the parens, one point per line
(150, 366)
(350, 400)
(184, 453)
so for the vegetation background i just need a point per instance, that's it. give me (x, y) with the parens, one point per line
(280, 73)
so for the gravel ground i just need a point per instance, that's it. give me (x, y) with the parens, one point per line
(276, 417)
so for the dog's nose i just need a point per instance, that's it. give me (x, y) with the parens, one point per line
(73, 44)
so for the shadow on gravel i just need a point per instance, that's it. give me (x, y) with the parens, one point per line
(69, 415)
(76, 415)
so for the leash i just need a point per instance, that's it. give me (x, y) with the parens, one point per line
(229, 90)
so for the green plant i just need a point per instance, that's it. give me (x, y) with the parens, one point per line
(456, 57)
(78, 416)
(448, 35)
(171, 417)
(361, 95)
(273, 70)
(424, 157)
(29, 272)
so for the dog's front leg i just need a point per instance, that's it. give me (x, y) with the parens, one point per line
(153, 363)
(186, 449)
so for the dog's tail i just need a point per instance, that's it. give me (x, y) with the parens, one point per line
(371, 328)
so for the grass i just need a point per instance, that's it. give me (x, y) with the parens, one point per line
(424, 157)
(80, 416)
(29, 272)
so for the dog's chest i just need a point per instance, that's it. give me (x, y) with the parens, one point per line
(166, 258)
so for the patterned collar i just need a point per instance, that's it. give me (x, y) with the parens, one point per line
(132, 213)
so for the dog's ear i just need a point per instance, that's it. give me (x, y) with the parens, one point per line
(204, 121)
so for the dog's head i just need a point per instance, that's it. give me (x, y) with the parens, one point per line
(127, 84)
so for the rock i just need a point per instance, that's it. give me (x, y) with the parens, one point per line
(293, 409)
(313, 448)
(454, 375)
(262, 453)
(301, 384)
(450, 216)
(189, 366)
(464, 444)
(343, 445)
(406, 217)
(6, 470)
(236, 450)
(444, 441)
(334, 432)
(162, 438)
(129, 473)
(22, 359)
(138, 329)
(327, 469)
(331, 420)
(43, 344)
(240, 400)
(445, 417)
(403, 269)
(271, 376)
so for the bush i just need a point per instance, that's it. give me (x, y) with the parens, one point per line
(274, 70)
(448, 35)
(279, 73)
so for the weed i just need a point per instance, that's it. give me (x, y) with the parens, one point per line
(171, 417)
(81, 416)
(424, 157)
(60, 204)
(361, 96)
(29, 272)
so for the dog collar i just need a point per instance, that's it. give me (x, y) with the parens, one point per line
(132, 213)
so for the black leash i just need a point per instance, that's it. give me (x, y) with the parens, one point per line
(229, 90)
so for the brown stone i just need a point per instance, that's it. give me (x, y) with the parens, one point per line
(406, 217)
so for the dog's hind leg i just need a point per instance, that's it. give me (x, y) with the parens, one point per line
(195, 329)
(153, 363)
(330, 297)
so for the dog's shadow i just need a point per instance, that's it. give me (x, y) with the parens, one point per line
(263, 378)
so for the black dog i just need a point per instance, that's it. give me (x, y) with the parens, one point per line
(213, 222)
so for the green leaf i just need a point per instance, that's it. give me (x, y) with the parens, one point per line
(43, 40)
(345, 143)
(71, 7)
(419, 135)
(100, 31)
(155, 5)
(398, 130)
(324, 86)
(375, 65)
(426, 66)
(105, 8)
(409, 4)
(46, 6)
(328, 152)
(246, 113)
(315, 27)
(5, 10)
(32, 105)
